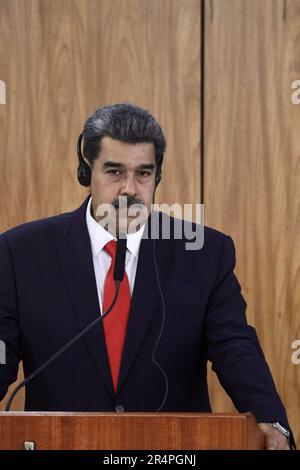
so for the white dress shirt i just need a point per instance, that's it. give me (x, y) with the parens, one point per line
(99, 237)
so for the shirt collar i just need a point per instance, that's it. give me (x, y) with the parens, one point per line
(99, 236)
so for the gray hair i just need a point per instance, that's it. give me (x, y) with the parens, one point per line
(125, 122)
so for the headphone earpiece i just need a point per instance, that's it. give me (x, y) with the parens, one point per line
(84, 173)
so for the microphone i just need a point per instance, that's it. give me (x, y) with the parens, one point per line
(119, 270)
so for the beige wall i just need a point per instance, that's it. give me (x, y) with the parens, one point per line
(61, 59)
(252, 170)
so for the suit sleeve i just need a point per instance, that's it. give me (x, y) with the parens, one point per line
(9, 325)
(234, 349)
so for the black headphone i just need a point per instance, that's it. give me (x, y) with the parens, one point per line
(84, 172)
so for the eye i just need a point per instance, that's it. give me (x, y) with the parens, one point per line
(114, 172)
(144, 173)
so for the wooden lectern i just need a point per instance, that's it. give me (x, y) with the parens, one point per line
(129, 431)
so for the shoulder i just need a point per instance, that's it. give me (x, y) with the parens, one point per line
(44, 230)
(210, 238)
(195, 243)
(45, 226)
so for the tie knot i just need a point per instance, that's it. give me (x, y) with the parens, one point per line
(110, 248)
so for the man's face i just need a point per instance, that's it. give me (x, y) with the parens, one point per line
(123, 169)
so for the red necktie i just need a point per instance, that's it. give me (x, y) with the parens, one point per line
(115, 323)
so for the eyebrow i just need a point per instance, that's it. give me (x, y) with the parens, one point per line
(110, 164)
(146, 166)
(143, 166)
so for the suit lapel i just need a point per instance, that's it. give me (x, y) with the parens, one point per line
(145, 298)
(78, 270)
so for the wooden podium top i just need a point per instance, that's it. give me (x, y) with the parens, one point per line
(129, 431)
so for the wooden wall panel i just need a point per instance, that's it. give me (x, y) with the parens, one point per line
(252, 169)
(61, 60)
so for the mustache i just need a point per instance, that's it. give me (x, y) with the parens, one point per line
(131, 200)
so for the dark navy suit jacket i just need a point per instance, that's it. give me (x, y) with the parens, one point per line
(48, 294)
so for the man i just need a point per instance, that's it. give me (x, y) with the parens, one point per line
(176, 308)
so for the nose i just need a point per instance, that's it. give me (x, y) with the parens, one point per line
(128, 187)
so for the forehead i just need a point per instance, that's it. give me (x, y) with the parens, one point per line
(126, 153)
